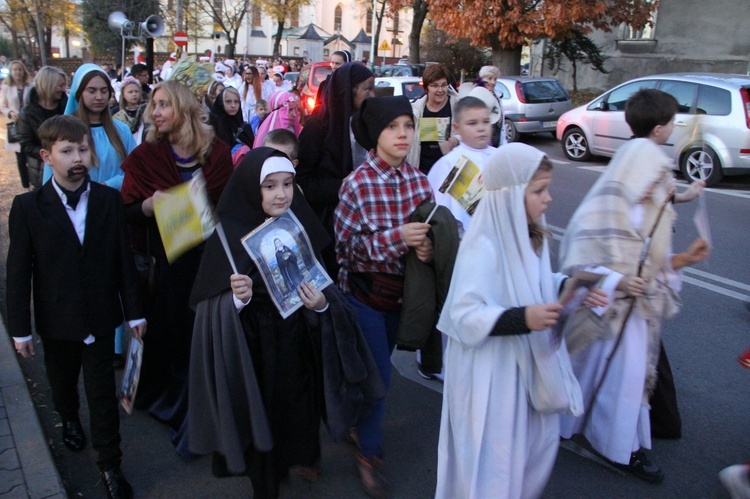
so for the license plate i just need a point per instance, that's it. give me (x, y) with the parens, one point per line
(549, 124)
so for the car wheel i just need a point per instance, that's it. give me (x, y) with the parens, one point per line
(575, 145)
(701, 163)
(511, 134)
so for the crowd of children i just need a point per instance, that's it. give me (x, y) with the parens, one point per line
(236, 378)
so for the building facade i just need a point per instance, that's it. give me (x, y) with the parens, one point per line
(687, 35)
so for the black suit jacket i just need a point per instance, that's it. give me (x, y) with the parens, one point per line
(76, 288)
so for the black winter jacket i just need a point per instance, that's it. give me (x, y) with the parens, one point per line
(31, 117)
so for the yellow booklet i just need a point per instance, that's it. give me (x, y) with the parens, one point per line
(184, 216)
(433, 129)
(464, 183)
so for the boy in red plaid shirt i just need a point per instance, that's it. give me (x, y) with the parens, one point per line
(373, 233)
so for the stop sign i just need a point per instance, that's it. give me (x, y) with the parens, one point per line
(180, 38)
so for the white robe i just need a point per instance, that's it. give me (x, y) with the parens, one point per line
(493, 444)
(619, 423)
(499, 430)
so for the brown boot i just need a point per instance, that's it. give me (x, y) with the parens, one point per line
(372, 477)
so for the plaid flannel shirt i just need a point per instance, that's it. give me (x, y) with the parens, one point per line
(374, 202)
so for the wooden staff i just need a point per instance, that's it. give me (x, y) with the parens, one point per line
(641, 262)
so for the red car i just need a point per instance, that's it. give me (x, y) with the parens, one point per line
(308, 82)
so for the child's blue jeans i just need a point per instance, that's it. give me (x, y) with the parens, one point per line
(379, 329)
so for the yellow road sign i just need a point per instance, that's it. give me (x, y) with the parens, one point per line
(384, 45)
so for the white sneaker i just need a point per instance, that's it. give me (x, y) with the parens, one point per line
(735, 480)
(436, 376)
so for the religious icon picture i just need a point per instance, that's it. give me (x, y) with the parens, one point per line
(132, 374)
(282, 252)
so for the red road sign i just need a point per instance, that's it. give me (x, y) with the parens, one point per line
(180, 38)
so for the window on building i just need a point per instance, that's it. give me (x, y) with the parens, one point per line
(337, 15)
(395, 24)
(294, 17)
(256, 15)
(368, 22)
(647, 32)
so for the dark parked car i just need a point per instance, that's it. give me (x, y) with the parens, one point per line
(401, 70)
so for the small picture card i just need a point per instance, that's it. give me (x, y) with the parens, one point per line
(132, 374)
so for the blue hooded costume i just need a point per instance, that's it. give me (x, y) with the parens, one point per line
(108, 172)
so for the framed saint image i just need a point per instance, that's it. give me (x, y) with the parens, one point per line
(283, 254)
(132, 374)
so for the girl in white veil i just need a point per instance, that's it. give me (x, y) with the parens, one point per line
(507, 376)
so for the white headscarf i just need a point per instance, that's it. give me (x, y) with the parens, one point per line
(497, 269)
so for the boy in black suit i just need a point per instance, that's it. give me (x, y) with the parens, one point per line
(68, 239)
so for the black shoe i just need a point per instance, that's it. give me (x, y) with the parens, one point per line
(642, 467)
(116, 485)
(73, 436)
(118, 362)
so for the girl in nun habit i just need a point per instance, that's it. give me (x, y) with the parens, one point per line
(259, 384)
(506, 378)
(328, 151)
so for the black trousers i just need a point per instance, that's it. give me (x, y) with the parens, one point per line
(64, 360)
(23, 171)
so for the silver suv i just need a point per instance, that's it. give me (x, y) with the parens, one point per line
(711, 137)
(531, 104)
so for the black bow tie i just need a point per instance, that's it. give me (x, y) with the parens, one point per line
(74, 196)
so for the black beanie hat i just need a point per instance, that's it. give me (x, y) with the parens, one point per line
(374, 115)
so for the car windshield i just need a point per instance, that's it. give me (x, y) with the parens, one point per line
(413, 90)
(320, 74)
(544, 91)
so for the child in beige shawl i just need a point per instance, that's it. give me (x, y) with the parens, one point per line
(609, 229)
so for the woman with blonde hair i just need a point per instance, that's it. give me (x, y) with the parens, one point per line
(178, 145)
(13, 94)
(488, 76)
(46, 98)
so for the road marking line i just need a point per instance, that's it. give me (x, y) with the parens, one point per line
(726, 192)
(717, 289)
(713, 277)
(557, 234)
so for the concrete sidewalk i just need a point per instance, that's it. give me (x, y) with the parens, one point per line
(26, 465)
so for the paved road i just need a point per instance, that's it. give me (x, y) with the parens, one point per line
(703, 343)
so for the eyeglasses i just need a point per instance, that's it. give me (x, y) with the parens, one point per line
(435, 86)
